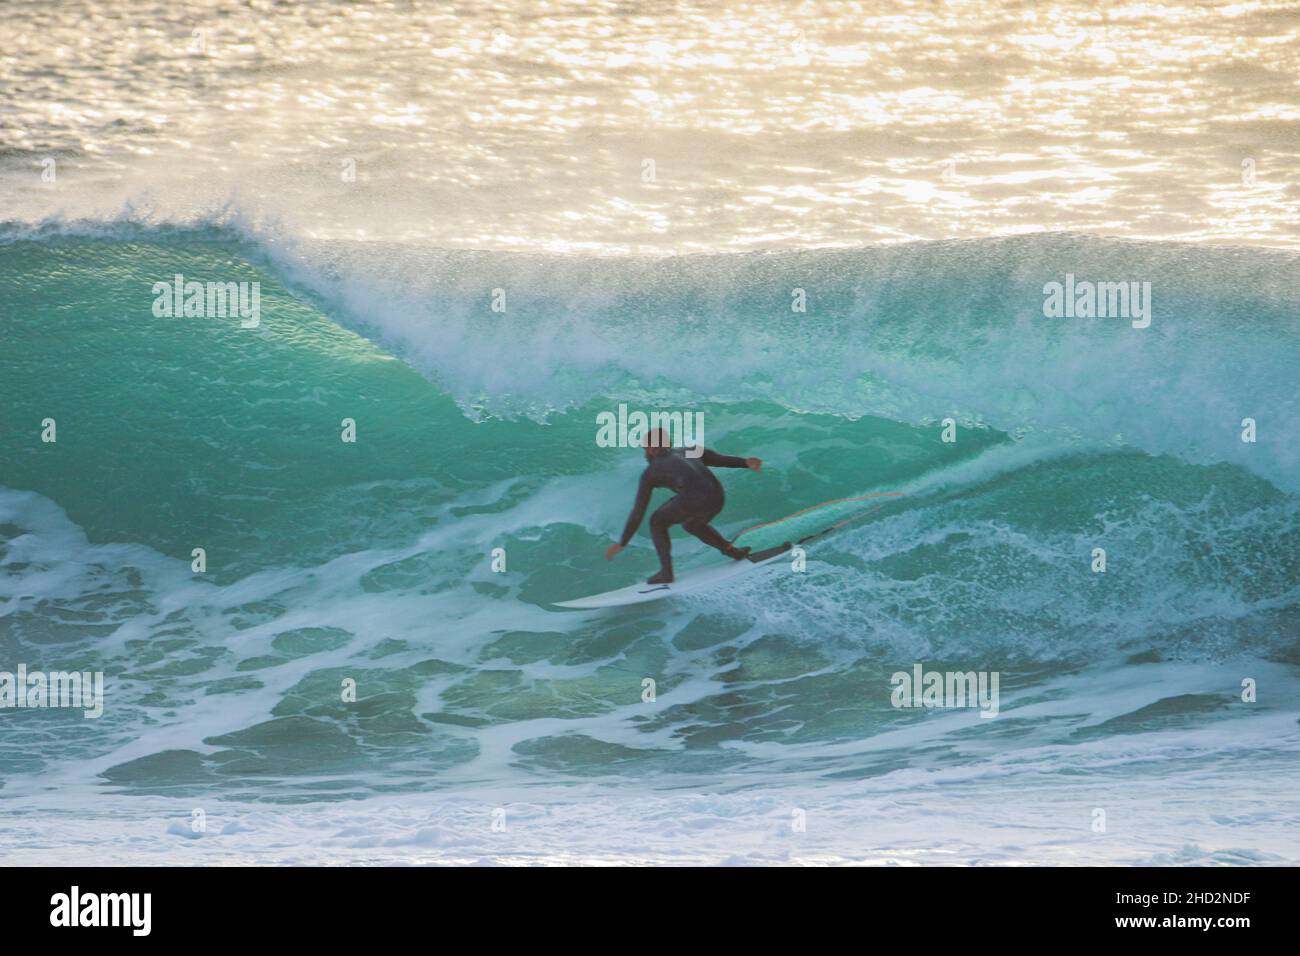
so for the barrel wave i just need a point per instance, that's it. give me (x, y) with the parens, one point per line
(370, 563)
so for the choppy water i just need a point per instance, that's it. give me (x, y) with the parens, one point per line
(371, 561)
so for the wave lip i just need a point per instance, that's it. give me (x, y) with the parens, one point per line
(917, 333)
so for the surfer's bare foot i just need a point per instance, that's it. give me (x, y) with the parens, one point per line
(665, 576)
(736, 553)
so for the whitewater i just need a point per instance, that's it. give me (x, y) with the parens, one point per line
(490, 727)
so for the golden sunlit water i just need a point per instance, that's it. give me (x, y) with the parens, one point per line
(652, 127)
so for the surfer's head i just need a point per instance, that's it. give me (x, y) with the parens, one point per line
(656, 442)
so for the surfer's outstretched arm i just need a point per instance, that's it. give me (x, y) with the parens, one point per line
(714, 460)
(643, 492)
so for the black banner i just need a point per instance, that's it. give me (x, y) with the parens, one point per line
(245, 904)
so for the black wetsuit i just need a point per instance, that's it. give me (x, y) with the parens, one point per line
(698, 500)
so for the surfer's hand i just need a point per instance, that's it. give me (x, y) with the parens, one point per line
(754, 464)
(612, 550)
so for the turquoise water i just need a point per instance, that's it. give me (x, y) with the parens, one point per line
(647, 189)
(371, 560)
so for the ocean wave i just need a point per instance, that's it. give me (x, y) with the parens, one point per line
(916, 333)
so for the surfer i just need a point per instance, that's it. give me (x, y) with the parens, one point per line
(697, 501)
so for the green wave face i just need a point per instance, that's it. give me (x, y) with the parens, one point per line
(372, 560)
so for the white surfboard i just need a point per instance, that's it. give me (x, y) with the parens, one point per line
(694, 580)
